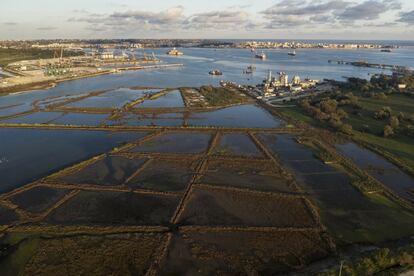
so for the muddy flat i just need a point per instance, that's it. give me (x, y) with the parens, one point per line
(107, 208)
(237, 208)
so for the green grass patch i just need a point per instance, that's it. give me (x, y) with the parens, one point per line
(385, 220)
(398, 102)
(296, 113)
(219, 96)
(14, 263)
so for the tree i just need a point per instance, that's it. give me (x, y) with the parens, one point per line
(388, 131)
(335, 122)
(387, 109)
(305, 104)
(381, 96)
(329, 106)
(346, 128)
(320, 116)
(383, 113)
(394, 122)
(342, 113)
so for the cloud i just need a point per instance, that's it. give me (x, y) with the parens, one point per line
(218, 19)
(298, 15)
(302, 12)
(95, 28)
(81, 11)
(170, 19)
(368, 10)
(407, 17)
(332, 12)
(49, 28)
(301, 7)
(173, 15)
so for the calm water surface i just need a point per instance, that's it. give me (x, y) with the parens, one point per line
(312, 63)
(29, 154)
(381, 169)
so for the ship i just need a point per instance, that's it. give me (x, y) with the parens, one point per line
(261, 56)
(174, 52)
(292, 53)
(215, 72)
(386, 50)
(250, 69)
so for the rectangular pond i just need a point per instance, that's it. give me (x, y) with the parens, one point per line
(14, 109)
(29, 154)
(381, 169)
(166, 120)
(112, 99)
(33, 118)
(238, 144)
(348, 214)
(176, 142)
(81, 119)
(241, 116)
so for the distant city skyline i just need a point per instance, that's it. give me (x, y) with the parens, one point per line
(231, 19)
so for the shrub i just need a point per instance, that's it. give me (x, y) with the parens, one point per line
(381, 96)
(388, 131)
(346, 128)
(335, 123)
(329, 106)
(394, 122)
(383, 113)
(342, 113)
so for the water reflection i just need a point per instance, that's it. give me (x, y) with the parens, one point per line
(29, 154)
(381, 169)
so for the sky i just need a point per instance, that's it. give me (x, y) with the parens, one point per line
(213, 19)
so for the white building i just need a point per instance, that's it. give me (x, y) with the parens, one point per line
(296, 80)
(284, 79)
(107, 55)
(402, 86)
(296, 89)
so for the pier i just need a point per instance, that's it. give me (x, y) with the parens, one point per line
(362, 63)
(157, 66)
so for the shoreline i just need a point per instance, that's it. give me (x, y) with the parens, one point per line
(47, 84)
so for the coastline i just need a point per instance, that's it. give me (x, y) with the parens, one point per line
(47, 84)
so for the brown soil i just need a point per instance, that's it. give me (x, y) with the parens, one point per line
(237, 208)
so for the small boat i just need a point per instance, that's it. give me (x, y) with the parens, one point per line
(292, 53)
(261, 56)
(249, 70)
(386, 50)
(174, 52)
(215, 72)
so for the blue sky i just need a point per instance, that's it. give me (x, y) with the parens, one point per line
(271, 19)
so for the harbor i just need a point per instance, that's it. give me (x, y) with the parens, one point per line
(29, 74)
(180, 146)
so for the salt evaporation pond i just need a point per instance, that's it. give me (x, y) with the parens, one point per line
(381, 169)
(29, 154)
